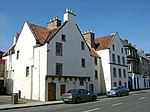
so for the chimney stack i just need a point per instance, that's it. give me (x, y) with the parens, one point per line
(89, 36)
(53, 23)
(69, 16)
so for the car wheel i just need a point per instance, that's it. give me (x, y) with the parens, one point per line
(66, 102)
(94, 98)
(78, 100)
(127, 93)
(119, 94)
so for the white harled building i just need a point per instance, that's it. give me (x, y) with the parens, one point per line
(49, 61)
(113, 62)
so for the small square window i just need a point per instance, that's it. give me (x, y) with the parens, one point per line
(83, 62)
(95, 61)
(82, 45)
(17, 57)
(63, 37)
(27, 71)
(96, 74)
(113, 46)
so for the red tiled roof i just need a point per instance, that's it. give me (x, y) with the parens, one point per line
(43, 34)
(2, 61)
(11, 50)
(104, 42)
(93, 53)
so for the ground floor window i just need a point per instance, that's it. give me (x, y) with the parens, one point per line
(62, 89)
(81, 82)
(120, 84)
(115, 84)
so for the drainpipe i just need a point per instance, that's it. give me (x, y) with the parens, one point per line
(39, 75)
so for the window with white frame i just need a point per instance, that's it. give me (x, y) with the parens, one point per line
(58, 49)
(59, 67)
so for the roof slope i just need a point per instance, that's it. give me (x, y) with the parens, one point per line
(11, 50)
(104, 42)
(93, 53)
(41, 33)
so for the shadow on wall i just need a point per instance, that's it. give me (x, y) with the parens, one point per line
(103, 84)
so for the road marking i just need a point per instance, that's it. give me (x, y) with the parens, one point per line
(117, 104)
(142, 98)
(91, 110)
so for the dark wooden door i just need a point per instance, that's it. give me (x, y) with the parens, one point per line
(51, 91)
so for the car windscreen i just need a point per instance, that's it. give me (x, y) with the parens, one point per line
(72, 91)
(114, 88)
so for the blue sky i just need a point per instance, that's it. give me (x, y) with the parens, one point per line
(130, 18)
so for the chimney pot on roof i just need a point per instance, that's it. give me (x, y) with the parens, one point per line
(54, 23)
(90, 38)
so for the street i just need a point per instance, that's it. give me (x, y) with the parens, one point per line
(137, 102)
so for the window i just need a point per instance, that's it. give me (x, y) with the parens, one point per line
(123, 60)
(125, 84)
(120, 84)
(113, 46)
(62, 89)
(27, 71)
(96, 74)
(81, 82)
(115, 84)
(82, 45)
(59, 68)
(63, 37)
(124, 73)
(95, 61)
(58, 49)
(113, 58)
(114, 72)
(122, 50)
(118, 59)
(17, 57)
(119, 72)
(83, 62)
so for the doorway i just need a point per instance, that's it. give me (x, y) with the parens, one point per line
(51, 91)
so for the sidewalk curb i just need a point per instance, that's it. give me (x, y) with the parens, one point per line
(17, 106)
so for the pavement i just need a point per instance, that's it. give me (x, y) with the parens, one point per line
(5, 102)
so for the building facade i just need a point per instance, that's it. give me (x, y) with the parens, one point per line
(138, 67)
(43, 63)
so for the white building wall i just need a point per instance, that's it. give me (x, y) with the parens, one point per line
(108, 65)
(39, 73)
(71, 56)
(25, 46)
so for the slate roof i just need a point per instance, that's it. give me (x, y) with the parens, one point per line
(104, 42)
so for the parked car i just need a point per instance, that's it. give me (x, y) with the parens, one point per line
(78, 95)
(118, 91)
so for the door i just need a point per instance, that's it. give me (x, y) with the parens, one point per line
(51, 91)
(91, 87)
